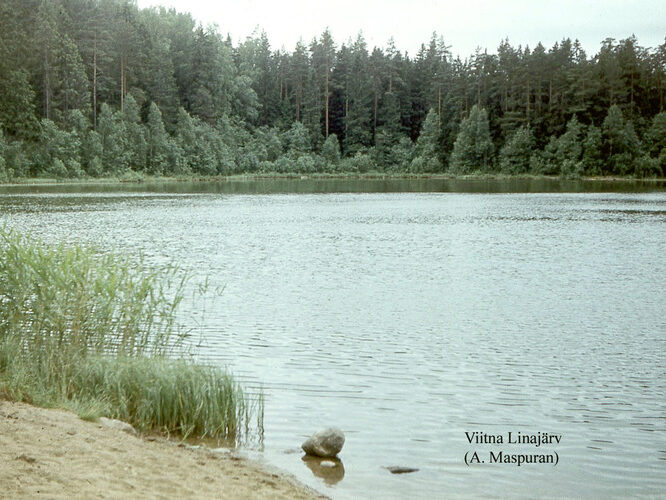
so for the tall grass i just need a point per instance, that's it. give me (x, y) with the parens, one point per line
(98, 333)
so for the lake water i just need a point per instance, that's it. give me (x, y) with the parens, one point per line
(408, 313)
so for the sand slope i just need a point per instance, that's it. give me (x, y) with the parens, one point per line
(54, 454)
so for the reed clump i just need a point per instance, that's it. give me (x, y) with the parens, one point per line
(97, 333)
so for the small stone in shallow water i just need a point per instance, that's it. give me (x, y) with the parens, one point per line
(397, 469)
(326, 443)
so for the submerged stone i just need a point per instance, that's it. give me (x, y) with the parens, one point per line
(325, 443)
(398, 469)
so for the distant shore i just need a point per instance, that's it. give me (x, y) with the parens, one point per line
(138, 178)
(53, 453)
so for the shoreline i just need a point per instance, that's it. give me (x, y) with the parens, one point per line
(53, 452)
(142, 179)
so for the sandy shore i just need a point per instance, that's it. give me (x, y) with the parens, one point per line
(53, 453)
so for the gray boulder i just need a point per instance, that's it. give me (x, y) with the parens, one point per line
(326, 443)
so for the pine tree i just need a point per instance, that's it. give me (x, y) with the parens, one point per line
(473, 148)
(389, 131)
(72, 89)
(47, 39)
(330, 150)
(158, 142)
(621, 144)
(157, 68)
(570, 144)
(655, 139)
(298, 78)
(427, 146)
(17, 109)
(323, 60)
(112, 135)
(358, 115)
(514, 157)
(135, 137)
(593, 155)
(297, 139)
(58, 151)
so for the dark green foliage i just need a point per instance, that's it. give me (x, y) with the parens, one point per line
(158, 142)
(570, 150)
(358, 101)
(473, 148)
(570, 144)
(60, 155)
(620, 143)
(656, 135)
(427, 146)
(593, 156)
(402, 154)
(514, 157)
(111, 62)
(655, 139)
(135, 135)
(17, 109)
(112, 135)
(330, 150)
(201, 148)
(297, 140)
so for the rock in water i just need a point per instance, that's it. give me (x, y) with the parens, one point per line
(326, 443)
(398, 469)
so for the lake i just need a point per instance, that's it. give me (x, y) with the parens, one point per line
(412, 313)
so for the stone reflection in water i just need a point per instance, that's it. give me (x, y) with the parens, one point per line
(331, 470)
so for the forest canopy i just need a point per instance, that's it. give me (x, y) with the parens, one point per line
(93, 88)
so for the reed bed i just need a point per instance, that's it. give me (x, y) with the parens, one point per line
(97, 333)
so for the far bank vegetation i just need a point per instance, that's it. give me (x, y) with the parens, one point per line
(101, 88)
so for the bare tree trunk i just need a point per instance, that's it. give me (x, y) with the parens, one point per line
(346, 113)
(94, 96)
(123, 82)
(122, 85)
(326, 97)
(47, 86)
(374, 125)
(478, 92)
(528, 101)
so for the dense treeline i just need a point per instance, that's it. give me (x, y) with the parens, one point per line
(101, 87)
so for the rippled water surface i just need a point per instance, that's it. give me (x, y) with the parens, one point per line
(410, 318)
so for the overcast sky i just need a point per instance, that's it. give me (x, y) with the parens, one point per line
(464, 24)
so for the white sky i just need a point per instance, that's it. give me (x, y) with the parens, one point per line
(464, 24)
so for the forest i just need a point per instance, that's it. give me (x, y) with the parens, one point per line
(102, 88)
